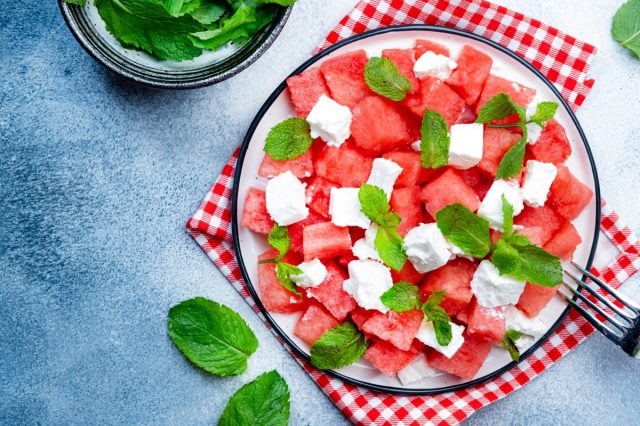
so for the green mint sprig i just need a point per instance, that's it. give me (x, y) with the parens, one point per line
(388, 242)
(402, 297)
(465, 229)
(342, 345)
(383, 77)
(434, 140)
(438, 316)
(626, 26)
(279, 239)
(288, 139)
(509, 343)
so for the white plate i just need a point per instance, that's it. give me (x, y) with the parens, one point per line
(278, 107)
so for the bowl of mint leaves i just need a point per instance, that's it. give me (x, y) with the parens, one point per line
(176, 44)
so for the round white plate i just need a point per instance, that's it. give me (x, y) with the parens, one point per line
(278, 107)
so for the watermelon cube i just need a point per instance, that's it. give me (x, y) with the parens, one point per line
(411, 166)
(568, 196)
(408, 273)
(346, 258)
(406, 203)
(468, 79)
(389, 359)
(520, 94)
(563, 244)
(325, 240)
(552, 146)
(378, 125)
(255, 215)
(319, 195)
(296, 230)
(534, 298)
(448, 188)
(535, 234)
(399, 329)
(273, 295)
(466, 362)
(423, 46)
(331, 294)
(314, 323)
(404, 60)
(305, 89)
(455, 279)
(301, 167)
(544, 218)
(496, 144)
(435, 95)
(344, 74)
(360, 316)
(347, 166)
(487, 323)
(463, 315)
(477, 181)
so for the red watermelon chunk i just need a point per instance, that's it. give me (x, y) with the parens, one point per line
(466, 362)
(468, 79)
(406, 203)
(255, 215)
(305, 89)
(389, 359)
(296, 230)
(347, 166)
(360, 316)
(273, 295)
(331, 294)
(487, 323)
(404, 60)
(455, 279)
(535, 234)
(553, 145)
(314, 323)
(496, 144)
(435, 95)
(408, 273)
(378, 125)
(534, 298)
(346, 258)
(411, 166)
(544, 218)
(563, 244)
(423, 46)
(325, 240)
(477, 181)
(344, 74)
(448, 188)
(399, 329)
(520, 94)
(319, 195)
(301, 167)
(568, 196)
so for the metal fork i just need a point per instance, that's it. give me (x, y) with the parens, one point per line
(621, 325)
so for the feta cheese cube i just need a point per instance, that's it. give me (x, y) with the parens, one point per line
(416, 145)
(491, 206)
(384, 174)
(426, 247)
(365, 247)
(515, 319)
(427, 335)
(537, 182)
(418, 369)
(330, 121)
(345, 208)
(492, 289)
(313, 274)
(465, 147)
(434, 65)
(286, 201)
(368, 280)
(524, 342)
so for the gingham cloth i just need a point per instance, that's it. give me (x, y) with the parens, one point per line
(564, 60)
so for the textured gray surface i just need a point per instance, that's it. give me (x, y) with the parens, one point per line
(97, 177)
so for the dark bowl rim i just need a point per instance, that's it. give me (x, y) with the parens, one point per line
(206, 80)
(238, 172)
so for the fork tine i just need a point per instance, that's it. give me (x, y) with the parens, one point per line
(594, 322)
(615, 293)
(597, 308)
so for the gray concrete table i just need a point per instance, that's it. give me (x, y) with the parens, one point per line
(98, 176)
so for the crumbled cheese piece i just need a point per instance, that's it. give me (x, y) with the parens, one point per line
(286, 201)
(418, 369)
(434, 65)
(516, 320)
(427, 335)
(384, 174)
(345, 208)
(365, 247)
(330, 121)
(313, 274)
(537, 182)
(491, 206)
(368, 280)
(426, 247)
(465, 148)
(492, 289)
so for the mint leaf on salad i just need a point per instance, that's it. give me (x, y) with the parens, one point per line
(280, 240)
(465, 229)
(434, 140)
(544, 112)
(402, 297)
(439, 317)
(626, 26)
(383, 77)
(288, 139)
(342, 345)
(498, 107)
(509, 343)
(511, 164)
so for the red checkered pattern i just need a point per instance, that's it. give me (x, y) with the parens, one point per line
(564, 60)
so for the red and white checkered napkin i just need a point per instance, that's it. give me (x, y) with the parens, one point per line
(564, 60)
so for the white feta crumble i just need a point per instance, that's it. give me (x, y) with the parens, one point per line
(330, 121)
(465, 147)
(457, 251)
(491, 206)
(417, 370)
(434, 65)
(345, 208)
(313, 274)
(517, 320)
(426, 247)
(492, 289)
(368, 280)
(286, 201)
(427, 335)
(537, 181)
(416, 145)
(365, 247)
(524, 342)
(384, 174)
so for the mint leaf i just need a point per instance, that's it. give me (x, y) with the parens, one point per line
(498, 107)
(402, 297)
(434, 140)
(382, 76)
(209, 12)
(342, 345)
(288, 139)
(435, 298)
(438, 316)
(76, 2)
(507, 214)
(388, 243)
(544, 112)
(211, 336)
(626, 26)
(263, 401)
(511, 164)
(280, 2)
(527, 262)
(373, 202)
(465, 229)
(279, 239)
(180, 7)
(283, 272)
(509, 343)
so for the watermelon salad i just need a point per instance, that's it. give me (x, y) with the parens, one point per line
(418, 208)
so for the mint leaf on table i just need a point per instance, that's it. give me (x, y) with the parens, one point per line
(544, 112)
(498, 107)
(626, 26)
(288, 139)
(263, 401)
(434, 140)
(438, 316)
(77, 2)
(342, 345)
(402, 297)
(383, 77)
(465, 229)
(527, 262)
(509, 343)
(211, 336)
